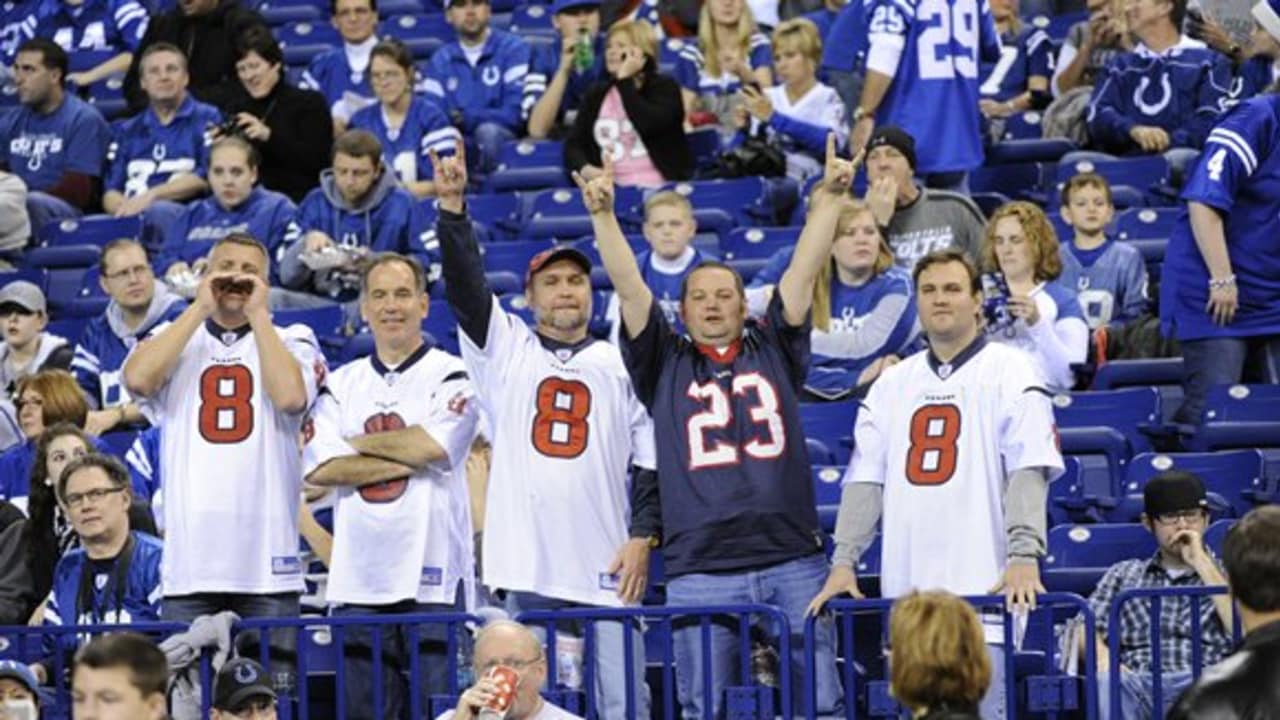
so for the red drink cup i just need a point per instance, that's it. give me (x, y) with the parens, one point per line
(505, 680)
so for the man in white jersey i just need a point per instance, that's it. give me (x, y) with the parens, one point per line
(560, 529)
(392, 432)
(956, 446)
(230, 390)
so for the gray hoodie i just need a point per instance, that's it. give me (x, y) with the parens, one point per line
(161, 301)
(327, 211)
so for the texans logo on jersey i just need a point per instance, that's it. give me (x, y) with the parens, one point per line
(387, 490)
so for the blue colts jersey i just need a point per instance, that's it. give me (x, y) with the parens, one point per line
(146, 153)
(1182, 90)
(346, 89)
(41, 148)
(1023, 55)
(17, 25)
(406, 149)
(732, 465)
(942, 42)
(100, 25)
(1239, 175)
(490, 91)
(265, 215)
(691, 72)
(1110, 281)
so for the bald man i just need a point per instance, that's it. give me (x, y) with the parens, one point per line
(513, 645)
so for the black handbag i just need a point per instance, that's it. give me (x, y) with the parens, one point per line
(755, 156)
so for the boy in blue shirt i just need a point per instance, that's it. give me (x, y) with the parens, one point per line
(479, 81)
(342, 74)
(1109, 277)
(159, 157)
(558, 77)
(55, 142)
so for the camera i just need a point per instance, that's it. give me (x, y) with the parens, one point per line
(228, 128)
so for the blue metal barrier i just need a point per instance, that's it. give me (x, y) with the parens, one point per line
(45, 643)
(338, 628)
(1156, 597)
(756, 699)
(1059, 696)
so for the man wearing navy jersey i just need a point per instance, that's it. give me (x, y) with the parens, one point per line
(922, 75)
(159, 157)
(137, 305)
(738, 514)
(479, 80)
(54, 141)
(1164, 95)
(342, 74)
(1220, 288)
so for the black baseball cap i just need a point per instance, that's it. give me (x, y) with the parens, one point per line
(239, 681)
(1174, 491)
(896, 138)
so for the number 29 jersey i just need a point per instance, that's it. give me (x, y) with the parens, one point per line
(232, 466)
(942, 438)
(566, 429)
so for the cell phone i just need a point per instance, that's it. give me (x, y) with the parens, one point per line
(1196, 15)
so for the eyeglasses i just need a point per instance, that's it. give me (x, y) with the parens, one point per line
(1171, 518)
(513, 663)
(137, 271)
(354, 12)
(97, 495)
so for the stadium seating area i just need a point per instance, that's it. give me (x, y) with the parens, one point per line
(1115, 430)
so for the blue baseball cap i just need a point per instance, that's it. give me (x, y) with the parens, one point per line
(20, 672)
(560, 6)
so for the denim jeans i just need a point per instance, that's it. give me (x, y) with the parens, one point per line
(283, 643)
(488, 138)
(1136, 694)
(43, 209)
(1218, 361)
(789, 586)
(433, 662)
(611, 670)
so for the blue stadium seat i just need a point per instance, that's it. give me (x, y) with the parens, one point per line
(1067, 501)
(869, 563)
(307, 33)
(532, 19)
(743, 199)
(415, 27)
(755, 242)
(1138, 373)
(560, 213)
(512, 256)
(1146, 223)
(1239, 416)
(91, 230)
(530, 153)
(1217, 533)
(392, 8)
(747, 267)
(500, 213)
(1029, 148)
(442, 325)
(529, 178)
(70, 328)
(704, 143)
(832, 423)
(516, 304)
(1097, 546)
(1057, 26)
(1127, 411)
(323, 321)
(36, 276)
(826, 484)
(987, 202)
(282, 14)
(1143, 172)
(1020, 181)
(1234, 480)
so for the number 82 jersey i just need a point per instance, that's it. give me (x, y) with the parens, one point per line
(942, 439)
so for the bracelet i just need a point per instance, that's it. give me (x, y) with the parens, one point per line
(1222, 283)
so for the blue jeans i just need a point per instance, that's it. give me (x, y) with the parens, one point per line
(1136, 694)
(1218, 361)
(433, 663)
(789, 586)
(43, 209)
(283, 643)
(611, 670)
(994, 703)
(489, 138)
(157, 218)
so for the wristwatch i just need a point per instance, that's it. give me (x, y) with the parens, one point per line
(859, 113)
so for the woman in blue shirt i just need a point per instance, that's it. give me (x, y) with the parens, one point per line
(731, 52)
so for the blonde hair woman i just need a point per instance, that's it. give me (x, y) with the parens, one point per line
(939, 666)
(731, 52)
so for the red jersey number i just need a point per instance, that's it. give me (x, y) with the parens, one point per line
(560, 428)
(226, 413)
(935, 430)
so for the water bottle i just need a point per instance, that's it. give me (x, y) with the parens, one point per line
(584, 51)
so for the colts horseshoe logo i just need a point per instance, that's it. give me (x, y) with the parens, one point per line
(1152, 109)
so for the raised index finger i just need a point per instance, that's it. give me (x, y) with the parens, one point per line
(831, 147)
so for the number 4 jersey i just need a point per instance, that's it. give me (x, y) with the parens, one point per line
(942, 438)
(232, 466)
(733, 471)
(566, 428)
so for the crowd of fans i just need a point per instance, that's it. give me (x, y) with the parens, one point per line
(432, 483)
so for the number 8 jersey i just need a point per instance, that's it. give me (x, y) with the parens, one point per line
(942, 438)
(232, 465)
(566, 429)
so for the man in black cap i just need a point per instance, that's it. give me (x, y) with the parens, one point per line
(1176, 511)
(242, 691)
(916, 220)
(1247, 685)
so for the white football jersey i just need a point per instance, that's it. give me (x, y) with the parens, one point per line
(409, 538)
(942, 441)
(231, 465)
(567, 427)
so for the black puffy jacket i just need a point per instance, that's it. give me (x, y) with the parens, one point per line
(1245, 686)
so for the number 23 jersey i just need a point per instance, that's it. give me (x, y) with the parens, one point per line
(566, 429)
(232, 466)
(942, 438)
